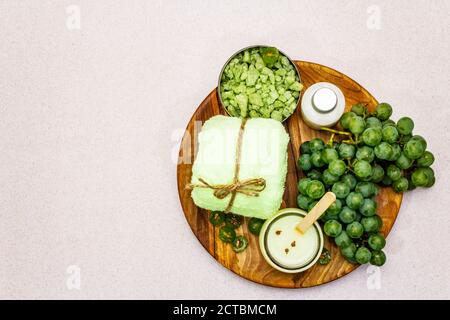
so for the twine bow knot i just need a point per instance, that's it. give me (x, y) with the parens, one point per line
(249, 187)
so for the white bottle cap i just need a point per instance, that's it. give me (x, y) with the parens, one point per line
(324, 99)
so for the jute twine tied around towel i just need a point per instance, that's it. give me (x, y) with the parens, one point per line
(248, 187)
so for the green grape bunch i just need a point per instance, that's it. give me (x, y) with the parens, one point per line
(368, 152)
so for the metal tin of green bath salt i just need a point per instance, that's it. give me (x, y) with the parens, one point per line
(297, 71)
(322, 105)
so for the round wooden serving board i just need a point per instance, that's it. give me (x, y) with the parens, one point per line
(250, 264)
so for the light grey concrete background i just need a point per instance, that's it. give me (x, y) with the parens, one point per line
(89, 120)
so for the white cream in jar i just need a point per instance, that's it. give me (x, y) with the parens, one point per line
(287, 249)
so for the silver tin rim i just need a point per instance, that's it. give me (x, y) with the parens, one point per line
(251, 47)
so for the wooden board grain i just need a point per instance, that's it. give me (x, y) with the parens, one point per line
(250, 264)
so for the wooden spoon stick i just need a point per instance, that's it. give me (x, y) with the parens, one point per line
(316, 212)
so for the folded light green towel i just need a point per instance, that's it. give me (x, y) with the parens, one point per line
(263, 155)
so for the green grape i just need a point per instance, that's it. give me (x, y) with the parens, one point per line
(346, 151)
(329, 178)
(367, 189)
(396, 152)
(383, 151)
(355, 230)
(345, 119)
(359, 109)
(373, 122)
(393, 172)
(315, 189)
(379, 221)
(376, 241)
(304, 162)
(368, 208)
(365, 153)
(400, 185)
(343, 240)
(337, 167)
(329, 154)
(350, 180)
(378, 258)
(414, 148)
(390, 134)
(362, 169)
(332, 228)
(372, 136)
(388, 122)
(378, 173)
(405, 125)
(356, 125)
(349, 251)
(383, 111)
(303, 184)
(425, 160)
(347, 215)
(341, 189)
(370, 224)
(335, 207)
(303, 201)
(354, 200)
(329, 216)
(421, 139)
(363, 255)
(403, 162)
(431, 182)
(314, 174)
(421, 176)
(305, 148)
(316, 145)
(316, 159)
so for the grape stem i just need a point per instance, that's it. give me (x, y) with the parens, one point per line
(349, 163)
(349, 141)
(330, 142)
(366, 111)
(335, 131)
(349, 135)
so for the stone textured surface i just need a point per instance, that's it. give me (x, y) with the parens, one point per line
(90, 121)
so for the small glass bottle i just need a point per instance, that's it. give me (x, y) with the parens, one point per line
(322, 105)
